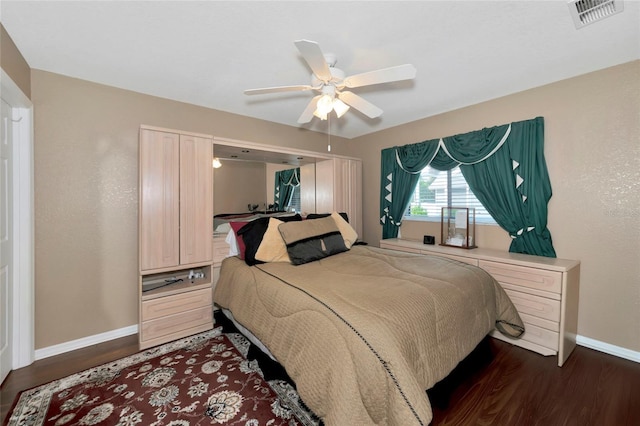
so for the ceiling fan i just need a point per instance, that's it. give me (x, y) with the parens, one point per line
(332, 86)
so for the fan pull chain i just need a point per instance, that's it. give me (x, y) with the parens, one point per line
(329, 124)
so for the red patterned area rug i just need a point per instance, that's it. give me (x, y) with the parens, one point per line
(204, 379)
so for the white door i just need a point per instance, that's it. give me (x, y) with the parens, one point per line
(6, 227)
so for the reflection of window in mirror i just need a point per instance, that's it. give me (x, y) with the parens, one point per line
(294, 205)
(286, 195)
(304, 200)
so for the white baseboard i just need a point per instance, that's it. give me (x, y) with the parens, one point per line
(85, 341)
(608, 348)
(133, 329)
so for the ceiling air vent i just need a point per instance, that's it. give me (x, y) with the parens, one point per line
(585, 12)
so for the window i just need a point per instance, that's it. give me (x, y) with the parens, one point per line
(294, 201)
(437, 189)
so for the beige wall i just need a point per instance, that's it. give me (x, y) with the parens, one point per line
(487, 236)
(12, 62)
(86, 195)
(592, 148)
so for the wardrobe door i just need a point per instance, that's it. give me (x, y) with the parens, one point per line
(339, 188)
(348, 190)
(196, 199)
(159, 199)
(324, 186)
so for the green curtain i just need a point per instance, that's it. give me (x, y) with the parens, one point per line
(474, 147)
(285, 182)
(513, 185)
(504, 167)
(401, 168)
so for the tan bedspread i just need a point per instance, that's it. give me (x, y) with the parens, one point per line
(364, 333)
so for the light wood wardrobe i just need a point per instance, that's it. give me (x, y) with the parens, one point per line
(339, 188)
(175, 247)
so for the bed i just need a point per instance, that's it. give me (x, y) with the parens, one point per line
(364, 331)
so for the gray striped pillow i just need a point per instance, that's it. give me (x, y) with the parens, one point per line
(311, 240)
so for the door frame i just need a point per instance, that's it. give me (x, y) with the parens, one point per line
(23, 334)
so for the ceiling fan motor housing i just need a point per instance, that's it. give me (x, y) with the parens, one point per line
(337, 75)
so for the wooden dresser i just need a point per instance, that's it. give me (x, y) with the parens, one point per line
(544, 290)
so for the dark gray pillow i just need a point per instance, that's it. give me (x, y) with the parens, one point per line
(344, 215)
(311, 240)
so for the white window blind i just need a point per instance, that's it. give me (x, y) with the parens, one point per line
(294, 203)
(437, 189)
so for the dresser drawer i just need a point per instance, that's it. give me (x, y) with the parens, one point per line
(167, 325)
(170, 305)
(531, 278)
(540, 322)
(540, 336)
(536, 306)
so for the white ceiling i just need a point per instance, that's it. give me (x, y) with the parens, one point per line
(206, 53)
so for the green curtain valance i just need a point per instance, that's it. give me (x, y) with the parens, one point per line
(504, 167)
(285, 182)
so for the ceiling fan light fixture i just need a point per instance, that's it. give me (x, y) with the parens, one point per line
(340, 107)
(324, 105)
(320, 115)
(328, 103)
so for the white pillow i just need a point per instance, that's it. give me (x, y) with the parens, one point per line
(233, 243)
(222, 228)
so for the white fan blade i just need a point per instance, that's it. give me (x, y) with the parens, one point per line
(307, 114)
(355, 101)
(311, 53)
(385, 75)
(278, 89)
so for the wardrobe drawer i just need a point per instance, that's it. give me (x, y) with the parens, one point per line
(535, 279)
(220, 250)
(170, 305)
(174, 323)
(534, 305)
(540, 336)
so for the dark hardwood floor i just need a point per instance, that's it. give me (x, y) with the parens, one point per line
(498, 384)
(508, 385)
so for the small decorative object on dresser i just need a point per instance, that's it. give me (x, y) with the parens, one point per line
(458, 227)
(544, 290)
